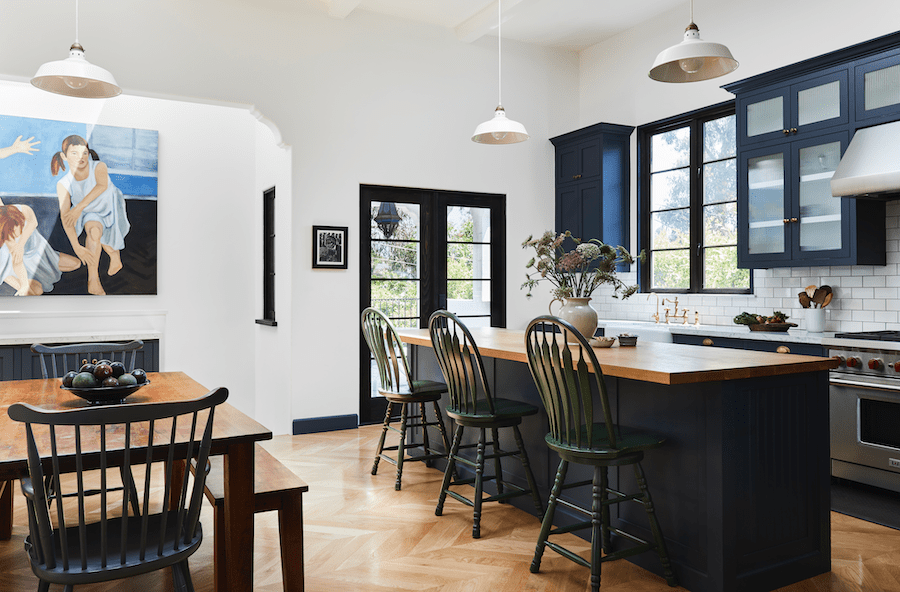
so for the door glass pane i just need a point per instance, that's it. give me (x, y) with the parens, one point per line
(719, 139)
(720, 270)
(670, 269)
(719, 181)
(670, 229)
(670, 150)
(882, 87)
(765, 175)
(765, 116)
(469, 263)
(394, 267)
(820, 213)
(819, 103)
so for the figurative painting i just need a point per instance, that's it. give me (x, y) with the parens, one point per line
(77, 208)
(329, 247)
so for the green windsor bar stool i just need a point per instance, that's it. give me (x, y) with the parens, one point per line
(561, 360)
(398, 387)
(472, 405)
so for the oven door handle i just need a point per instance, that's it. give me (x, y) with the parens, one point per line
(869, 385)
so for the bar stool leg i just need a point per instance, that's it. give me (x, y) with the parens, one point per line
(479, 485)
(498, 467)
(401, 448)
(596, 527)
(451, 467)
(654, 526)
(532, 484)
(426, 446)
(547, 522)
(384, 429)
(604, 496)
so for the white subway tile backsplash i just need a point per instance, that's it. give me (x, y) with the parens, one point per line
(863, 315)
(862, 270)
(874, 304)
(850, 282)
(886, 293)
(887, 316)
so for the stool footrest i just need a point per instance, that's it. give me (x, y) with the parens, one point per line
(461, 498)
(569, 554)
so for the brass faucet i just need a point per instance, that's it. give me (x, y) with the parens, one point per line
(675, 315)
(655, 316)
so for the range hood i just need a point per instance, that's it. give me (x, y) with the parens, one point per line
(870, 167)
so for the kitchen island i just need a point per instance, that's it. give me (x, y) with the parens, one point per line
(741, 486)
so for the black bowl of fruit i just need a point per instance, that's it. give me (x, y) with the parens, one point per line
(104, 382)
(776, 322)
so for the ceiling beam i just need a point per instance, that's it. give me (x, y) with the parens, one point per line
(341, 8)
(485, 20)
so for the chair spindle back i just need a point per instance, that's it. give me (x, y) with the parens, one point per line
(57, 360)
(154, 436)
(461, 363)
(387, 349)
(560, 359)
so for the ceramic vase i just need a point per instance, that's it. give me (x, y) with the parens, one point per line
(579, 313)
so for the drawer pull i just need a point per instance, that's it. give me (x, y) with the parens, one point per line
(708, 341)
(783, 349)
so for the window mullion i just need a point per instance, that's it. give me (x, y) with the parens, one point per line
(696, 190)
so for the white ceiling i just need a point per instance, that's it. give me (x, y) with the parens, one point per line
(570, 24)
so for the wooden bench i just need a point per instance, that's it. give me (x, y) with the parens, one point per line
(275, 488)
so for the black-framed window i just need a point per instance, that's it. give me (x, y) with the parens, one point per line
(688, 202)
(268, 266)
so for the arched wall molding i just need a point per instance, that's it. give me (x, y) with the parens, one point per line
(251, 109)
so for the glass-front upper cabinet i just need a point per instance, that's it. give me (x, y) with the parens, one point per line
(794, 109)
(790, 213)
(878, 89)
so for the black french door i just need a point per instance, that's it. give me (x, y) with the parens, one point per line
(422, 250)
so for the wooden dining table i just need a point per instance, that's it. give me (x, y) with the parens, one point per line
(234, 435)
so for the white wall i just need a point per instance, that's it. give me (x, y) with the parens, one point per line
(367, 99)
(762, 35)
(207, 246)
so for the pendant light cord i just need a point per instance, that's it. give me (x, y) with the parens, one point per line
(692, 10)
(76, 21)
(499, 55)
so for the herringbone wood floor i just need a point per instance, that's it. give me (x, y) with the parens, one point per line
(361, 535)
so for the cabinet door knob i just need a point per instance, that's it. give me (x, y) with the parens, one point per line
(786, 132)
(708, 341)
(576, 176)
(795, 220)
(793, 130)
(783, 349)
(786, 220)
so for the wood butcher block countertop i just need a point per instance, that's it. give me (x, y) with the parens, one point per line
(662, 363)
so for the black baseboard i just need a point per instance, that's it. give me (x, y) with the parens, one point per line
(865, 502)
(325, 424)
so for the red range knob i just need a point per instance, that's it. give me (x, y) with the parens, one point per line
(842, 361)
(896, 367)
(853, 362)
(876, 364)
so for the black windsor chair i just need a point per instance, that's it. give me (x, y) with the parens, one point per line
(472, 405)
(390, 357)
(58, 360)
(74, 551)
(582, 431)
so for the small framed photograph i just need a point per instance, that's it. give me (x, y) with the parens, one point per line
(329, 247)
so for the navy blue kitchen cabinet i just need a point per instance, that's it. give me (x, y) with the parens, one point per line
(592, 183)
(804, 349)
(877, 86)
(794, 124)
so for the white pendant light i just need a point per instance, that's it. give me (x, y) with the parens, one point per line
(500, 129)
(75, 76)
(693, 59)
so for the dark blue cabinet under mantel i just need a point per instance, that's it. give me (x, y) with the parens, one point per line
(592, 183)
(794, 124)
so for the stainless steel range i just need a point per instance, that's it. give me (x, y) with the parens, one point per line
(865, 411)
